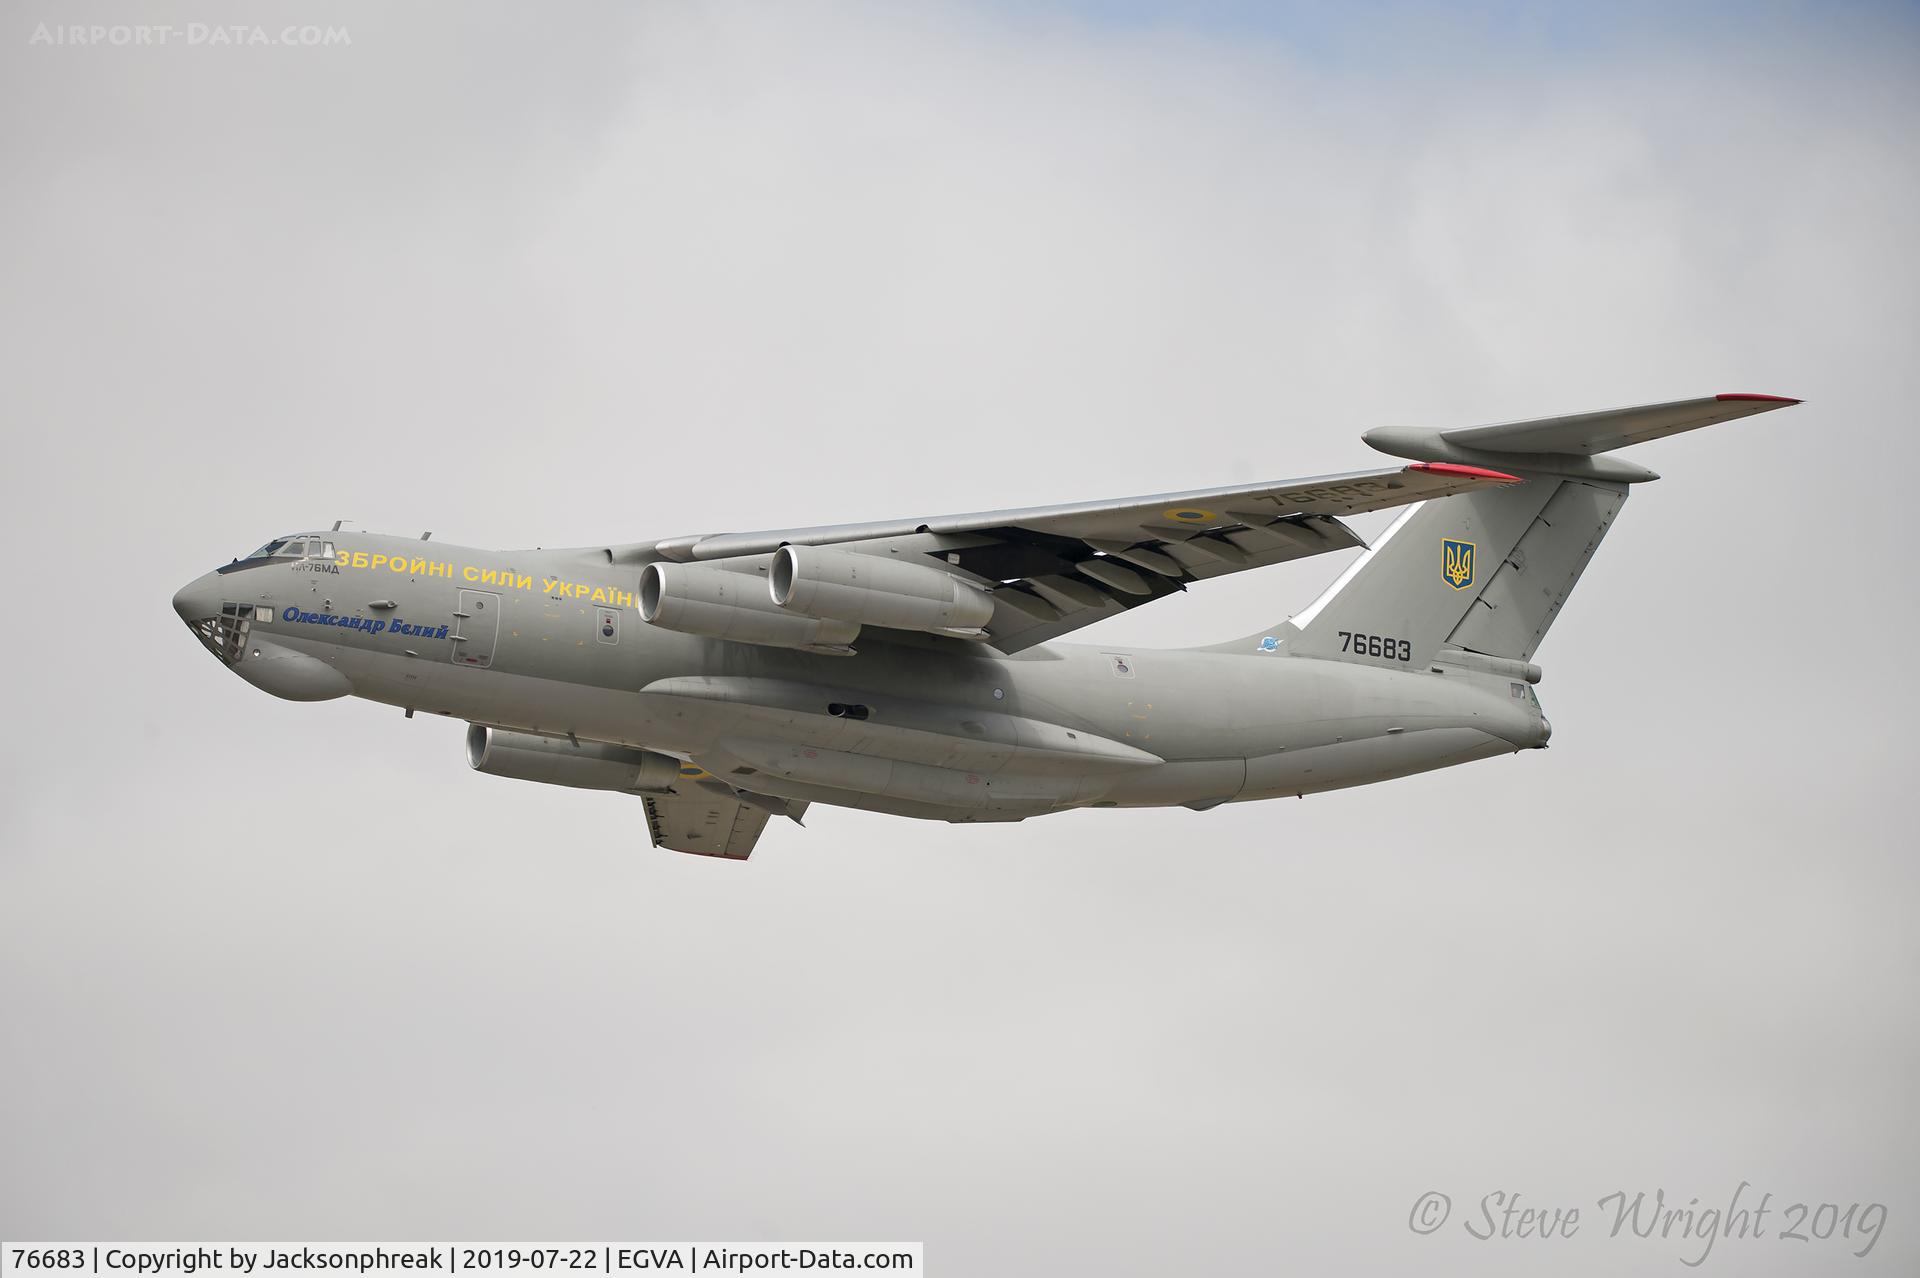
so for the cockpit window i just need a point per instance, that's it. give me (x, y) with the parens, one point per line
(294, 548)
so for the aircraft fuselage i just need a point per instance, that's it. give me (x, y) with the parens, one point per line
(550, 643)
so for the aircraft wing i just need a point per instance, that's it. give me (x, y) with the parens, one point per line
(706, 822)
(1054, 569)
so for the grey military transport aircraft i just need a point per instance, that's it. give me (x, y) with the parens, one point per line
(911, 667)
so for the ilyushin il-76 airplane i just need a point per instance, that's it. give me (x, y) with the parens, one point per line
(911, 666)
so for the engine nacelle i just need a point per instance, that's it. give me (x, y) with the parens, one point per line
(698, 599)
(590, 765)
(877, 590)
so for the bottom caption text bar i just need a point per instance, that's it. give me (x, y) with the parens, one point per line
(601, 1260)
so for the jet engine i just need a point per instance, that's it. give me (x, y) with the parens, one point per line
(721, 603)
(877, 590)
(586, 765)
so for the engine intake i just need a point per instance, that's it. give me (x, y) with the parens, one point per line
(589, 765)
(721, 603)
(877, 590)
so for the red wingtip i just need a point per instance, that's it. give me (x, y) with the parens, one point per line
(1761, 399)
(1465, 472)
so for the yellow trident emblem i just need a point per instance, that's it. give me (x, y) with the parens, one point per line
(1456, 563)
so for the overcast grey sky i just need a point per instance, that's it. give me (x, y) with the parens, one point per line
(585, 273)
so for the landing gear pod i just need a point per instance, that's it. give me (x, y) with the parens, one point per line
(877, 590)
(289, 675)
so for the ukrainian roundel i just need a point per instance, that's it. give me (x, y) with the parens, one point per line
(1456, 563)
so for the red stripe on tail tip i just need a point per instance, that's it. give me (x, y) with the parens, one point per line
(1465, 472)
(1760, 399)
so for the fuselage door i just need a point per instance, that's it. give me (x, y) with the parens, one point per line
(476, 628)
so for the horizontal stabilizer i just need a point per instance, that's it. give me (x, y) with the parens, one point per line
(707, 823)
(1571, 446)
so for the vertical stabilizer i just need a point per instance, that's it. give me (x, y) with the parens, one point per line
(1485, 571)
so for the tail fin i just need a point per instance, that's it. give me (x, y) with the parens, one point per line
(1488, 571)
